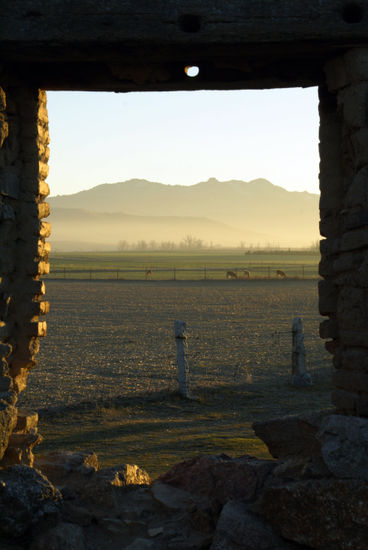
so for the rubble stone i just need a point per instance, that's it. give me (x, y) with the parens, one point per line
(64, 536)
(239, 529)
(26, 497)
(220, 477)
(344, 446)
(322, 514)
(291, 435)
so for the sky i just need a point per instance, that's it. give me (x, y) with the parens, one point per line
(182, 138)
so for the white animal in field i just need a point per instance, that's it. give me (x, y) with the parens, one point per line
(231, 275)
(280, 274)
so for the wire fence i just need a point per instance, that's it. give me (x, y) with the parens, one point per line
(246, 272)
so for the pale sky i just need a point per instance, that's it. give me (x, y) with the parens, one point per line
(182, 138)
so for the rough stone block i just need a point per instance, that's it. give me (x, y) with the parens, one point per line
(329, 329)
(329, 226)
(2, 100)
(35, 267)
(357, 193)
(330, 246)
(354, 338)
(9, 184)
(26, 420)
(356, 382)
(337, 76)
(291, 435)
(45, 230)
(36, 169)
(67, 468)
(33, 287)
(238, 528)
(354, 239)
(332, 196)
(328, 296)
(359, 140)
(352, 308)
(353, 360)
(7, 212)
(39, 308)
(64, 535)
(34, 209)
(4, 129)
(19, 450)
(325, 267)
(344, 446)
(356, 62)
(350, 403)
(27, 348)
(219, 478)
(4, 330)
(355, 219)
(26, 497)
(38, 329)
(8, 421)
(348, 261)
(6, 383)
(34, 187)
(323, 514)
(7, 263)
(5, 349)
(354, 100)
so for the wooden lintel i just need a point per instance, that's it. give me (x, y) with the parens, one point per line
(126, 45)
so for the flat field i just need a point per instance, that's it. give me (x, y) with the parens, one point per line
(179, 265)
(106, 378)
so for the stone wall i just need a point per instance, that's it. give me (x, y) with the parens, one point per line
(24, 153)
(344, 223)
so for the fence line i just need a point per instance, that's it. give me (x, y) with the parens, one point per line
(248, 272)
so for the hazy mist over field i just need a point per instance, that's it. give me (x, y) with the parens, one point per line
(222, 213)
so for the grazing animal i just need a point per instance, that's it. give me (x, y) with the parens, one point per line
(231, 275)
(246, 274)
(148, 273)
(280, 274)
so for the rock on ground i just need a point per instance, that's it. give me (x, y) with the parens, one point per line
(239, 529)
(220, 477)
(344, 446)
(323, 514)
(26, 497)
(64, 536)
(291, 435)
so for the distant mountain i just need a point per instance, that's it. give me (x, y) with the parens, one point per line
(222, 212)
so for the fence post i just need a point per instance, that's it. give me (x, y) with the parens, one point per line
(299, 374)
(303, 272)
(180, 328)
(174, 273)
(205, 273)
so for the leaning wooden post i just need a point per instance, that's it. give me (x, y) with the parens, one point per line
(300, 376)
(181, 359)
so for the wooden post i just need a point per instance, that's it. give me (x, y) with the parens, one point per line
(180, 328)
(300, 376)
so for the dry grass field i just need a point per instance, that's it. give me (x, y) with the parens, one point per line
(106, 378)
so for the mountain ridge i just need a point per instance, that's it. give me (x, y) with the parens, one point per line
(256, 211)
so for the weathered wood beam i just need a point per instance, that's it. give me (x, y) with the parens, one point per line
(124, 45)
(57, 23)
